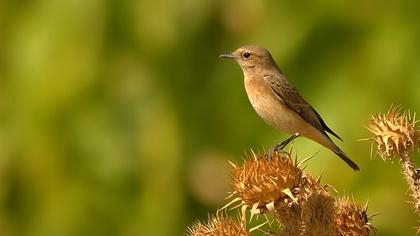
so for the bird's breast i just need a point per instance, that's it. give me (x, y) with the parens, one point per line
(270, 108)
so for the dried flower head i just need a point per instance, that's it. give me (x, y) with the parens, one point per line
(318, 213)
(297, 218)
(395, 133)
(352, 219)
(218, 225)
(261, 181)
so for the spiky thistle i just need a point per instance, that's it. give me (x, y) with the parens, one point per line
(352, 219)
(275, 184)
(262, 182)
(218, 224)
(318, 213)
(395, 133)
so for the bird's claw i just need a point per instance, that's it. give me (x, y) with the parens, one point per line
(279, 147)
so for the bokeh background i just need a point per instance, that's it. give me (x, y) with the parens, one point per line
(118, 117)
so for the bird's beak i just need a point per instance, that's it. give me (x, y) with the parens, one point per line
(227, 55)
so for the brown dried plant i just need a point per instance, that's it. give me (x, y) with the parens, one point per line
(218, 224)
(396, 135)
(277, 185)
(261, 182)
(352, 219)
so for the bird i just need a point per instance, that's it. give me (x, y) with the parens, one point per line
(277, 101)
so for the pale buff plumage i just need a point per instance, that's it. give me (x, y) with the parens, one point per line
(278, 102)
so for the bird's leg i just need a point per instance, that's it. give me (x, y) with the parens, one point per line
(283, 144)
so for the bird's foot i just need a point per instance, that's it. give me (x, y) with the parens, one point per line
(283, 144)
(272, 151)
(270, 154)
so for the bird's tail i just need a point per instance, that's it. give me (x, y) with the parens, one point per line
(345, 158)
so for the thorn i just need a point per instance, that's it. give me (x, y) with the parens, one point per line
(365, 207)
(253, 211)
(300, 163)
(331, 187)
(268, 220)
(257, 227)
(235, 200)
(232, 164)
(230, 195)
(243, 214)
(375, 214)
(270, 206)
(318, 180)
(289, 193)
(365, 139)
(291, 147)
(371, 151)
(253, 154)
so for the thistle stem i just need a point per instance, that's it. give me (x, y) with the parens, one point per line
(412, 176)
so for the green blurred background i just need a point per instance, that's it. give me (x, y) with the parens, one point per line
(118, 118)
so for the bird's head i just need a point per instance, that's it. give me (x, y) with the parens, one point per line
(251, 58)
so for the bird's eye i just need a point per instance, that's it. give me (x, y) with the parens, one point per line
(246, 55)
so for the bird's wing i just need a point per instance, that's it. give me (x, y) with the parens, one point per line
(288, 94)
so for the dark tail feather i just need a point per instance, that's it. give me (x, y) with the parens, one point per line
(345, 158)
(326, 128)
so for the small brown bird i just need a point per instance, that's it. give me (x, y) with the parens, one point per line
(278, 102)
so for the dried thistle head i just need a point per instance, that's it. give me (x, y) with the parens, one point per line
(261, 181)
(318, 213)
(395, 133)
(352, 219)
(289, 212)
(218, 225)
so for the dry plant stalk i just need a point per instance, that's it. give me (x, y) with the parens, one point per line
(396, 135)
(303, 207)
